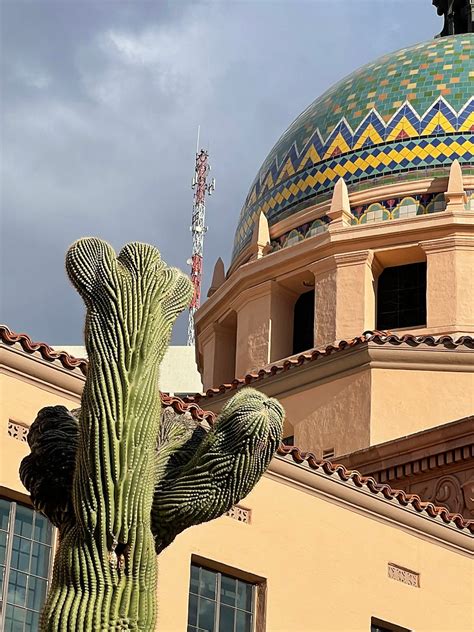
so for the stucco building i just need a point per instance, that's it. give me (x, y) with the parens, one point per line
(350, 299)
(351, 290)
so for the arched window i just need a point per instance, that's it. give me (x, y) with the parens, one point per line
(303, 323)
(401, 297)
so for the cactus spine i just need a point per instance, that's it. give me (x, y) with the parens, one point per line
(125, 486)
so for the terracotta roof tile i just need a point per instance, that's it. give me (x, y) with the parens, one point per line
(180, 406)
(377, 337)
(10, 338)
(396, 495)
(330, 469)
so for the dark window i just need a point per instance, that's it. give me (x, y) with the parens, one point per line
(377, 625)
(219, 602)
(303, 323)
(328, 453)
(25, 561)
(289, 440)
(401, 297)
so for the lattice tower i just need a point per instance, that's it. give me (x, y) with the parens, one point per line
(201, 187)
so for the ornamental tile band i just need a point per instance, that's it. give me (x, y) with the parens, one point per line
(305, 231)
(396, 115)
(393, 208)
(398, 208)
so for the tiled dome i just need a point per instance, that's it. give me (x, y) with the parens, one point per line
(406, 112)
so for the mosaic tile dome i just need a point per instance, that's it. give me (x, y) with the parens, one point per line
(406, 112)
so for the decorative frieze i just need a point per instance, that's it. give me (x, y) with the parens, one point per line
(300, 233)
(17, 430)
(425, 464)
(398, 208)
(404, 575)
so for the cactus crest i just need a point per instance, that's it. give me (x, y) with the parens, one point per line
(118, 482)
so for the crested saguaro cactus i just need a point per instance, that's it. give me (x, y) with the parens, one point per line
(117, 479)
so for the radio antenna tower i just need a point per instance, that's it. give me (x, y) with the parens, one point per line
(201, 186)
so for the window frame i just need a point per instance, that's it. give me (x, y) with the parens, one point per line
(378, 300)
(259, 593)
(386, 626)
(14, 504)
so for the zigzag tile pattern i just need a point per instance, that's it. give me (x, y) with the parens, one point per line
(408, 111)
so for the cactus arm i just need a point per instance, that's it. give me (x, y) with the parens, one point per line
(225, 466)
(105, 569)
(47, 472)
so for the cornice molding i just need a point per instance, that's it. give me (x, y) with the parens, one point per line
(451, 242)
(418, 454)
(357, 198)
(308, 253)
(261, 290)
(46, 375)
(354, 258)
(417, 466)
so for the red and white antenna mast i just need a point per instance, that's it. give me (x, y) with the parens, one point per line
(201, 186)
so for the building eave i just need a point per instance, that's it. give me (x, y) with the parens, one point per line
(376, 506)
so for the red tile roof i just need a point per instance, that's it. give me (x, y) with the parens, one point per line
(68, 361)
(377, 337)
(180, 406)
(330, 469)
(368, 482)
(10, 338)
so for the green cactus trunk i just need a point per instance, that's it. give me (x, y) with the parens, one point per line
(119, 482)
(105, 568)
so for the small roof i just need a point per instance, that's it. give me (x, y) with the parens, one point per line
(312, 355)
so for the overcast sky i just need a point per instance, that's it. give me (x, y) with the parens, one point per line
(100, 105)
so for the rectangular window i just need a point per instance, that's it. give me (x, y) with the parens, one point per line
(219, 602)
(401, 297)
(303, 323)
(26, 541)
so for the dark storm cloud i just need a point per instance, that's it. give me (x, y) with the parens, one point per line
(100, 106)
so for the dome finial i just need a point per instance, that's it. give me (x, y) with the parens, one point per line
(261, 236)
(455, 195)
(458, 16)
(340, 211)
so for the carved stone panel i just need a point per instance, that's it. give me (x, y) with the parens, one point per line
(239, 513)
(17, 431)
(404, 575)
